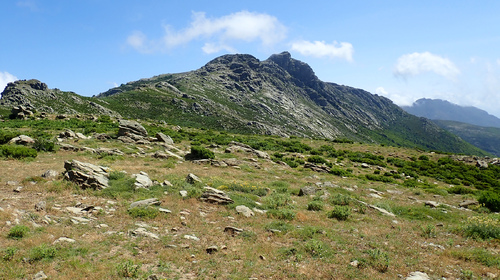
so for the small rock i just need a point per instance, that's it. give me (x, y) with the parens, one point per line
(468, 203)
(212, 249)
(40, 206)
(432, 204)
(40, 275)
(142, 181)
(233, 230)
(191, 237)
(50, 174)
(163, 210)
(307, 190)
(417, 275)
(64, 239)
(183, 193)
(145, 203)
(143, 232)
(191, 179)
(354, 263)
(18, 189)
(245, 211)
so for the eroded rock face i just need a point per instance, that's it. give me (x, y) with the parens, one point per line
(215, 196)
(86, 175)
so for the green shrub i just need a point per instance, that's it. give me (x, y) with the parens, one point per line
(42, 252)
(143, 212)
(317, 159)
(315, 205)
(340, 213)
(44, 145)
(317, 248)
(279, 225)
(18, 232)
(17, 152)
(378, 259)
(8, 253)
(461, 190)
(341, 172)
(281, 214)
(490, 200)
(199, 152)
(6, 136)
(483, 227)
(277, 200)
(340, 199)
(428, 231)
(128, 269)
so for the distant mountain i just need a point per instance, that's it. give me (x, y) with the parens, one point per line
(239, 93)
(437, 109)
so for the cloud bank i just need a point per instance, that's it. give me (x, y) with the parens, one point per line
(341, 50)
(417, 63)
(219, 33)
(6, 78)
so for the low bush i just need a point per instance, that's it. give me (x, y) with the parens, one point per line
(128, 269)
(281, 214)
(44, 145)
(17, 152)
(143, 212)
(378, 259)
(18, 232)
(461, 190)
(317, 159)
(490, 200)
(315, 205)
(482, 228)
(199, 152)
(42, 252)
(8, 253)
(277, 200)
(340, 213)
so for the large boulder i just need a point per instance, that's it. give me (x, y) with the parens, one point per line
(22, 140)
(86, 175)
(131, 129)
(215, 196)
(164, 138)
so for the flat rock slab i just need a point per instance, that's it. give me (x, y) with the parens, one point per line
(145, 203)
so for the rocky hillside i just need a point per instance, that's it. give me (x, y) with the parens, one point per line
(278, 96)
(36, 96)
(239, 93)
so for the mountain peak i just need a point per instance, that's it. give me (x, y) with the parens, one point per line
(298, 69)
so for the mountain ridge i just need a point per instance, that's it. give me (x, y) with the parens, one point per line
(278, 96)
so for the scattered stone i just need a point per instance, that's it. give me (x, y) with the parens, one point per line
(191, 237)
(142, 180)
(215, 196)
(317, 168)
(245, 211)
(374, 195)
(80, 135)
(86, 175)
(432, 204)
(354, 263)
(183, 193)
(142, 232)
(18, 189)
(482, 164)
(233, 230)
(163, 210)
(307, 190)
(365, 165)
(164, 138)
(191, 179)
(40, 206)
(109, 152)
(212, 249)
(417, 275)
(166, 184)
(467, 203)
(64, 239)
(40, 275)
(145, 203)
(79, 220)
(22, 140)
(50, 174)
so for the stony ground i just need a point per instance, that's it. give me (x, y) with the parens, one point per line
(83, 234)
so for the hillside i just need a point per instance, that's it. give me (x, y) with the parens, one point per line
(486, 138)
(109, 199)
(278, 96)
(436, 109)
(239, 93)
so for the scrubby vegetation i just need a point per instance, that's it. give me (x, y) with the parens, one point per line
(336, 232)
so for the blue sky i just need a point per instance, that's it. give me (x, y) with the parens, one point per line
(404, 50)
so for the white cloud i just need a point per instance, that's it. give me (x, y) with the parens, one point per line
(399, 99)
(219, 32)
(341, 50)
(6, 78)
(417, 63)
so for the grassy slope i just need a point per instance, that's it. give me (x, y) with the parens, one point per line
(308, 242)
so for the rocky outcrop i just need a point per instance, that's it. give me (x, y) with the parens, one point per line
(22, 140)
(215, 196)
(86, 175)
(132, 129)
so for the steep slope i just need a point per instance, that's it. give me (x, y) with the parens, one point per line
(279, 96)
(437, 109)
